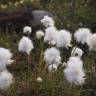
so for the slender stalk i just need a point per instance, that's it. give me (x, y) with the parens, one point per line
(71, 89)
(41, 48)
(52, 71)
(52, 81)
(28, 34)
(80, 90)
(52, 91)
(41, 54)
(6, 30)
(73, 51)
(15, 62)
(28, 61)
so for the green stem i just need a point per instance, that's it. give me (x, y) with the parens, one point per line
(28, 73)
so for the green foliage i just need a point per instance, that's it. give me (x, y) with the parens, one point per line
(70, 14)
(54, 84)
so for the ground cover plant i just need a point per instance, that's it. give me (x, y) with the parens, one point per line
(56, 61)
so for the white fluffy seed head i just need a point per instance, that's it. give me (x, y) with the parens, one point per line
(77, 62)
(6, 79)
(39, 34)
(25, 45)
(77, 52)
(10, 61)
(64, 39)
(47, 21)
(39, 79)
(50, 35)
(82, 34)
(74, 72)
(52, 56)
(91, 42)
(5, 56)
(52, 67)
(64, 64)
(27, 30)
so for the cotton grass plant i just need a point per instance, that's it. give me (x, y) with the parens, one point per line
(39, 34)
(6, 79)
(51, 35)
(72, 69)
(82, 34)
(64, 39)
(52, 56)
(47, 21)
(5, 58)
(39, 79)
(74, 72)
(91, 42)
(25, 45)
(27, 30)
